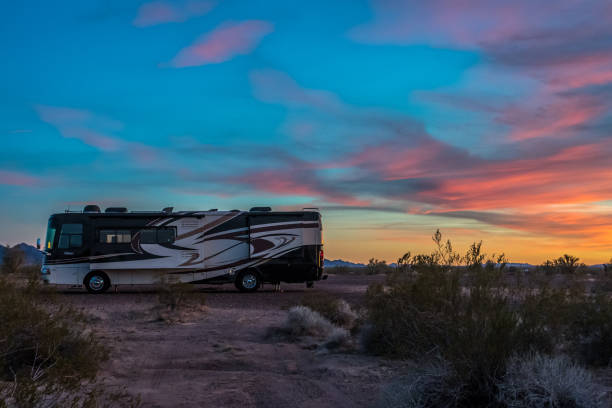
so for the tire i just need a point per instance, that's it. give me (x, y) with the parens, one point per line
(96, 282)
(248, 281)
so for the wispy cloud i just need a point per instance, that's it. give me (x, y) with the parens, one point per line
(223, 43)
(82, 125)
(277, 87)
(15, 178)
(94, 130)
(160, 12)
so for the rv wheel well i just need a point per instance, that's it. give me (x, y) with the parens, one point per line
(88, 276)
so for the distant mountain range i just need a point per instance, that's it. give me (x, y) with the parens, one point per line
(332, 263)
(33, 256)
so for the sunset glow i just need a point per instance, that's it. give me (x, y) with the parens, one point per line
(490, 120)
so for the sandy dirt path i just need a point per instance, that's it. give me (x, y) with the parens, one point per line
(224, 358)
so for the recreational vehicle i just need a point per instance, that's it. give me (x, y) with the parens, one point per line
(116, 247)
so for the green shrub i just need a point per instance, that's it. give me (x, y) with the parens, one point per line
(477, 316)
(469, 316)
(47, 356)
(589, 329)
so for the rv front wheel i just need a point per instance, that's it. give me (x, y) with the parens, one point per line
(96, 282)
(248, 281)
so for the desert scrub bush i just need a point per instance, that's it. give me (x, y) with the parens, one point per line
(48, 357)
(304, 322)
(566, 264)
(589, 328)
(13, 260)
(541, 381)
(176, 300)
(469, 316)
(337, 311)
(431, 384)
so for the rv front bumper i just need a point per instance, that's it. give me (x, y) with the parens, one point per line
(45, 274)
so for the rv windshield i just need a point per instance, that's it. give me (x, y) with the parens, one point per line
(50, 235)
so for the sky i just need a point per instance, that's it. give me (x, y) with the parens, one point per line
(490, 120)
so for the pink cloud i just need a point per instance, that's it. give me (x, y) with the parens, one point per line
(278, 87)
(92, 138)
(159, 12)
(82, 125)
(551, 117)
(92, 129)
(13, 178)
(465, 23)
(59, 116)
(223, 43)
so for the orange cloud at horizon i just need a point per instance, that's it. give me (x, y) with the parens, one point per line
(360, 244)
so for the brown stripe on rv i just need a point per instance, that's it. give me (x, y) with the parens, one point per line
(284, 227)
(206, 226)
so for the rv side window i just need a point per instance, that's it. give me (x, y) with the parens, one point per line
(148, 236)
(158, 236)
(115, 236)
(71, 236)
(165, 236)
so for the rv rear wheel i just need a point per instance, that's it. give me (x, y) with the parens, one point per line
(96, 282)
(248, 281)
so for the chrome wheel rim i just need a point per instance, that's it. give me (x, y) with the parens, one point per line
(249, 281)
(96, 282)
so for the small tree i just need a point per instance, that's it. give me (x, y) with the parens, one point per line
(13, 260)
(568, 264)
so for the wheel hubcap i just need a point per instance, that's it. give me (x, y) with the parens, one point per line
(249, 281)
(96, 282)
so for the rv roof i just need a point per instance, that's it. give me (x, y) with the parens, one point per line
(180, 213)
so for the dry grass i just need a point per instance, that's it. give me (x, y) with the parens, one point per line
(336, 310)
(540, 381)
(303, 322)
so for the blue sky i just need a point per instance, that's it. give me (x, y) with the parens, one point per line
(486, 119)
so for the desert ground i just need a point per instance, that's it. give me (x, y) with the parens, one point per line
(223, 355)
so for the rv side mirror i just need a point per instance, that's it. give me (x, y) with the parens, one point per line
(37, 243)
